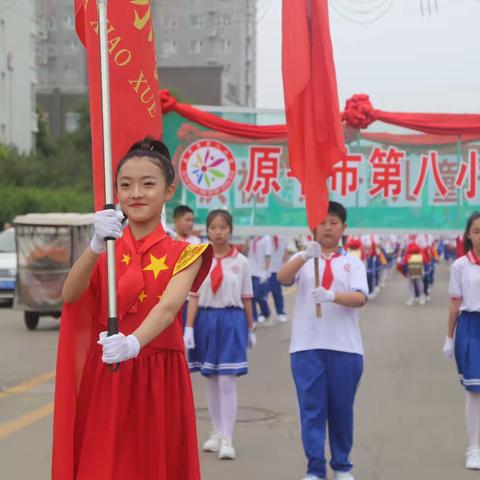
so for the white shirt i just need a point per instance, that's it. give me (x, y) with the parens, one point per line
(189, 239)
(258, 249)
(278, 253)
(465, 284)
(236, 284)
(338, 328)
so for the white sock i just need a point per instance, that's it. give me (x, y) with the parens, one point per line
(213, 401)
(472, 418)
(228, 403)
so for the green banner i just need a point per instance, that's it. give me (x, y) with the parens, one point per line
(383, 186)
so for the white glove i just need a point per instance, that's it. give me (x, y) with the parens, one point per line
(322, 295)
(107, 224)
(448, 348)
(252, 339)
(189, 338)
(118, 348)
(264, 276)
(312, 250)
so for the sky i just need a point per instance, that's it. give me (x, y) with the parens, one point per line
(403, 61)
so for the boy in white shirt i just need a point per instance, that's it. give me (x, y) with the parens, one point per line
(259, 252)
(327, 352)
(184, 218)
(280, 255)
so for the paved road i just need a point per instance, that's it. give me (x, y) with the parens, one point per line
(409, 411)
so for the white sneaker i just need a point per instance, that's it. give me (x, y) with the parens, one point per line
(410, 302)
(213, 443)
(421, 300)
(343, 476)
(227, 452)
(312, 477)
(472, 461)
(282, 318)
(261, 319)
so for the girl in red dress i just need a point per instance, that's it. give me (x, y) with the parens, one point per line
(137, 423)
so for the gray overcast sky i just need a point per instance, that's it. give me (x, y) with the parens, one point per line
(404, 61)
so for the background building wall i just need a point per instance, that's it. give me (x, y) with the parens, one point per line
(18, 76)
(197, 33)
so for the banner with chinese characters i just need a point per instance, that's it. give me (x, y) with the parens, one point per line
(383, 186)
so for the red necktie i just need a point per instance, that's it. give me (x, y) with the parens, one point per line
(216, 275)
(327, 279)
(275, 241)
(473, 258)
(255, 241)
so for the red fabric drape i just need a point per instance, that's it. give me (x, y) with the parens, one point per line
(315, 134)
(134, 92)
(357, 115)
(416, 140)
(215, 122)
(433, 123)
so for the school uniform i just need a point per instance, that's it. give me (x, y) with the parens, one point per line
(279, 247)
(370, 244)
(258, 249)
(221, 329)
(327, 362)
(465, 286)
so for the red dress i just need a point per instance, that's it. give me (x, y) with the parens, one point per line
(139, 422)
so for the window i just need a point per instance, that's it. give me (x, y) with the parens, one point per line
(196, 46)
(227, 20)
(51, 23)
(196, 21)
(226, 45)
(71, 45)
(71, 121)
(171, 23)
(168, 48)
(68, 22)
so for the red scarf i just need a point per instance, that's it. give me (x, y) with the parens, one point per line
(473, 258)
(255, 241)
(275, 241)
(327, 279)
(216, 275)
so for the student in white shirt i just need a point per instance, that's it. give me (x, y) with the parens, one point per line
(183, 218)
(220, 329)
(279, 257)
(464, 322)
(327, 352)
(259, 252)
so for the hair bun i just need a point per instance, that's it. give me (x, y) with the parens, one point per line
(152, 145)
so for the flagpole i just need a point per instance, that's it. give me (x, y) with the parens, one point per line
(107, 159)
(317, 276)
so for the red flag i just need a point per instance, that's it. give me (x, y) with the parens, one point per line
(134, 90)
(315, 133)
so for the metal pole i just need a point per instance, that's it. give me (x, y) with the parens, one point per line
(107, 159)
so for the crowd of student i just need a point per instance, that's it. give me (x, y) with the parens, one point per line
(139, 422)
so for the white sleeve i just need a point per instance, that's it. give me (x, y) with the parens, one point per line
(358, 278)
(268, 245)
(247, 287)
(455, 287)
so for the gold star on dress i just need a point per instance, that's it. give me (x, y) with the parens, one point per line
(126, 259)
(156, 265)
(142, 296)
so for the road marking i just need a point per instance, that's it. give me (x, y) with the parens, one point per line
(25, 420)
(27, 385)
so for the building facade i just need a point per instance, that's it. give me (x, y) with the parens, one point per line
(61, 63)
(18, 77)
(209, 33)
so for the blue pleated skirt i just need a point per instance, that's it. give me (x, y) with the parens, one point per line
(221, 341)
(467, 350)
